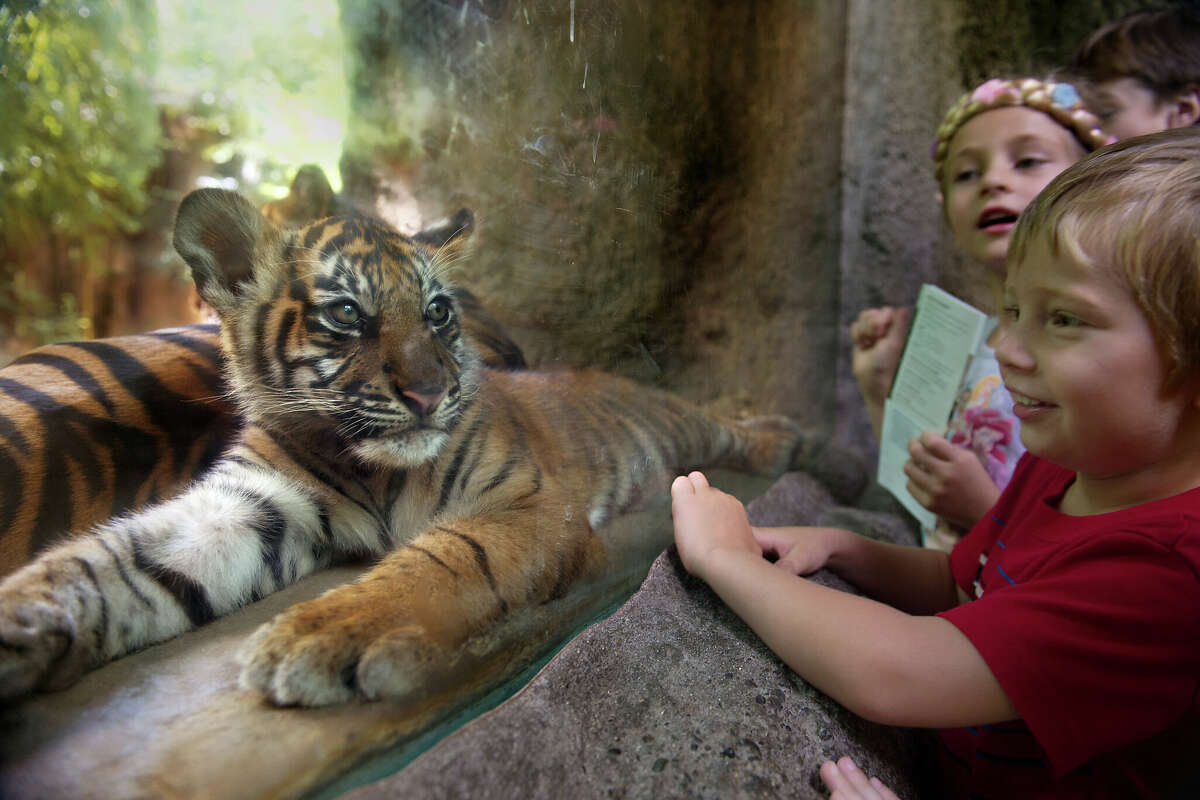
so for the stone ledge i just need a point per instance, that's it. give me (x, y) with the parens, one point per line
(671, 696)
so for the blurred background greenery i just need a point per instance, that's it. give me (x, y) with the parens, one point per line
(112, 109)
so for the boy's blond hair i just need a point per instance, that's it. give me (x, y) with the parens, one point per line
(1133, 208)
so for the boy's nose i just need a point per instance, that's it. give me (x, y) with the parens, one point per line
(1010, 349)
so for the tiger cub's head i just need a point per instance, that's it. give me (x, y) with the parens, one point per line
(343, 332)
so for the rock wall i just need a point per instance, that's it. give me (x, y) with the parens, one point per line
(698, 195)
(673, 696)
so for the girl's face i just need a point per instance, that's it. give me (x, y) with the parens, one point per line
(996, 164)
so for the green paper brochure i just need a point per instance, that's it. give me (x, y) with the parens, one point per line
(944, 336)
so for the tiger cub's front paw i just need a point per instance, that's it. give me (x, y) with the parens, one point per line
(36, 633)
(323, 652)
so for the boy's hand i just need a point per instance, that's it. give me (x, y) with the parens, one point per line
(707, 522)
(949, 480)
(846, 781)
(801, 551)
(878, 335)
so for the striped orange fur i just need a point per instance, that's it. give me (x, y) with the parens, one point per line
(372, 429)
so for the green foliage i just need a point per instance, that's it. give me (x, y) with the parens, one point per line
(79, 128)
(268, 76)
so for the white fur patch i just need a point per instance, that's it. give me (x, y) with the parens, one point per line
(410, 450)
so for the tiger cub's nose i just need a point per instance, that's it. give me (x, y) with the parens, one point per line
(421, 398)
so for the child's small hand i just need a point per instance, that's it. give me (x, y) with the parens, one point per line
(801, 551)
(846, 781)
(878, 335)
(949, 480)
(707, 521)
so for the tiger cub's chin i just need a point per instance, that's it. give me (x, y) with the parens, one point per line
(409, 449)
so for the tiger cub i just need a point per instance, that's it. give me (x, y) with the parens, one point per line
(92, 429)
(372, 430)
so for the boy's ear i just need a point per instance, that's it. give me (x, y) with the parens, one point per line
(219, 234)
(1185, 108)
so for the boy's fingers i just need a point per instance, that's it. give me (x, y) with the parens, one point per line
(698, 480)
(682, 485)
(831, 776)
(856, 777)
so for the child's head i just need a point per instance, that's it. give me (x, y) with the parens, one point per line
(997, 147)
(1133, 212)
(1100, 343)
(1141, 74)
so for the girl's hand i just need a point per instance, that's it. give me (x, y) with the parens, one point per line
(878, 335)
(707, 523)
(949, 480)
(846, 781)
(801, 551)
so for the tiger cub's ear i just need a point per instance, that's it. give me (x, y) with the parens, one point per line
(449, 236)
(219, 234)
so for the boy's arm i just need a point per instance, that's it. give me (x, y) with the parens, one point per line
(916, 580)
(881, 663)
(878, 661)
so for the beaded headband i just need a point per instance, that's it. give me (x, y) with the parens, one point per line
(1059, 100)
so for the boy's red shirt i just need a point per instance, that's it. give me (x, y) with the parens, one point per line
(1092, 627)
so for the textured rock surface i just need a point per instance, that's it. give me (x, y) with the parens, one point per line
(671, 696)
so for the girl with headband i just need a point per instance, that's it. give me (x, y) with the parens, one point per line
(997, 147)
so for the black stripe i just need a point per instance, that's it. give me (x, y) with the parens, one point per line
(286, 321)
(167, 410)
(76, 373)
(89, 464)
(500, 477)
(11, 433)
(12, 479)
(211, 376)
(322, 548)
(321, 382)
(146, 601)
(209, 352)
(184, 337)
(305, 461)
(261, 365)
(242, 461)
(482, 560)
(436, 560)
(451, 473)
(101, 633)
(271, 529)
(326, 529)
(188, 593)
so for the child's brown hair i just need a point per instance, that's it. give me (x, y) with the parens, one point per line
(1160, 49)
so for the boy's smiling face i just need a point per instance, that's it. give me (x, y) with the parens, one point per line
(996, 164)
(1085, 372)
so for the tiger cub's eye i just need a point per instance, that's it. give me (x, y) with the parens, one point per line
(438, 311)
(343, 312)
